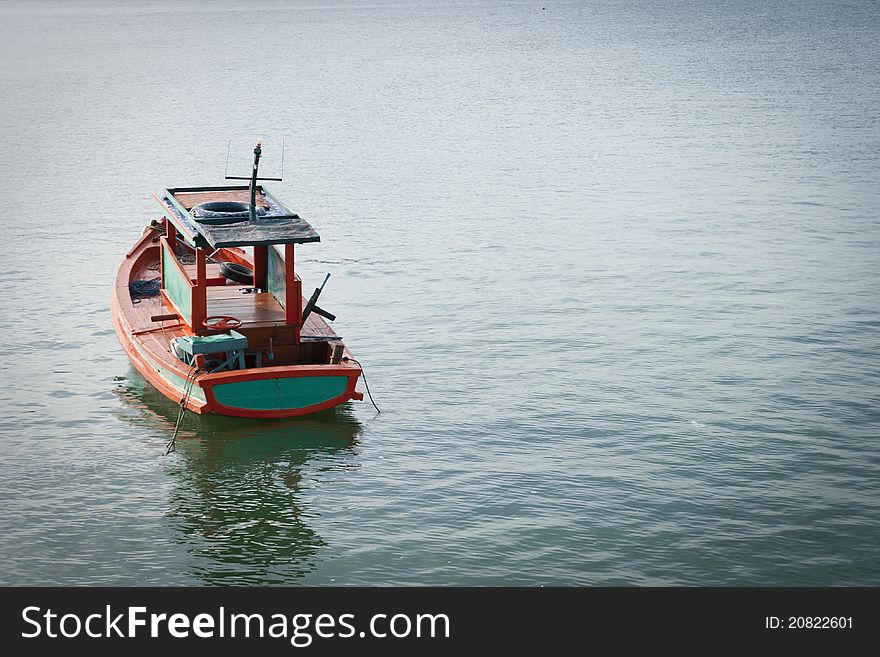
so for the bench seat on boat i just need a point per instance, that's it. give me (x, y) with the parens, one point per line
(233, 344)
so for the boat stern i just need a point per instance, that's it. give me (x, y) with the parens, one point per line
(276, 392)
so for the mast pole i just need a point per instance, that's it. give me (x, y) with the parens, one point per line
(257, 152)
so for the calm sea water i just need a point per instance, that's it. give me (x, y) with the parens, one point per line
(612, 269)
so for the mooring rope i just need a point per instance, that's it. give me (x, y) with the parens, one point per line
(366, 385)
(144, 288)
(187, 393)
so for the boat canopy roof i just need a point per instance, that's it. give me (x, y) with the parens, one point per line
(274, 223)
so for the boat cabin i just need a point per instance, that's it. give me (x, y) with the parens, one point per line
(212, 286)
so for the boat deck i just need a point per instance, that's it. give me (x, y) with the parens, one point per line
(256, 310)
(260, 309)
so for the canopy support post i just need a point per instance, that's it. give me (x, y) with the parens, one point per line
(261, 267)
(292, 293)
(200, 292)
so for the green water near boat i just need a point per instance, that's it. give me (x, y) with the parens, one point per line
(611, 270)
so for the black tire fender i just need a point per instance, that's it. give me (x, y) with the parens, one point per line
(222, 212)
(236, 272)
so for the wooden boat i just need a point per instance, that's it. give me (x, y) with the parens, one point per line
(222, 329)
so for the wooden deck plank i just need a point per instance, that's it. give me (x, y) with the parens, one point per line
(315, 326)
(143, 311)
(255, 309)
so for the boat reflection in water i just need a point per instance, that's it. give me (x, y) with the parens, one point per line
(237, 506)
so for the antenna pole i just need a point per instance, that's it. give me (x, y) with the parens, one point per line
(257, 152)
